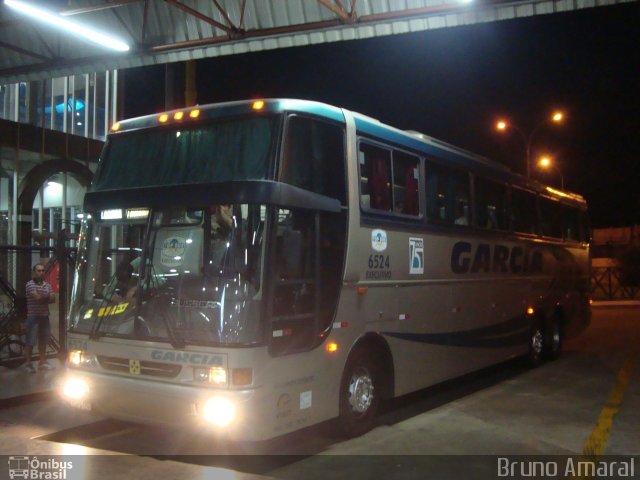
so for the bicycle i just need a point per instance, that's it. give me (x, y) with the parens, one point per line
(12, 336)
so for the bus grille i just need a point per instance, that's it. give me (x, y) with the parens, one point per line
(153, 369)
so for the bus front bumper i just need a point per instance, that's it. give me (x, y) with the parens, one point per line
(141, 400)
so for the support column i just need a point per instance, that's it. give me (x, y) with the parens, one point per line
(190, 91)
(65, 223)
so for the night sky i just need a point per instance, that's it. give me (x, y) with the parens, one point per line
(454, 83)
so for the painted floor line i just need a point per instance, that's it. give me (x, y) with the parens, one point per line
(597, 441)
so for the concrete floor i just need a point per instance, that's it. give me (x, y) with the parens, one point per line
(453, 430)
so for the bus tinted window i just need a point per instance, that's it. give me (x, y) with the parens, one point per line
(551, 218)
(575, 224)
(234, 149)
(523, 211)
(447, 195)
(406, 174)
(314, 157)
(375, 177)
(491, 204)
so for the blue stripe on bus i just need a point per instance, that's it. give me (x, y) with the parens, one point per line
(504, 334)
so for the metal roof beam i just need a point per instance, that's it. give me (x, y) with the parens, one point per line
(124, 25)
(200, 16)
(250, 33)
(96, 8)
(224, 14)
(336, 8)
(145, 15)
(8, 46)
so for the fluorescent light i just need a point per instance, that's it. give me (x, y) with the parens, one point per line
(72, 27)
(115, 214)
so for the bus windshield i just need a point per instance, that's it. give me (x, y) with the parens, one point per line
(232, 149)
(184, 275)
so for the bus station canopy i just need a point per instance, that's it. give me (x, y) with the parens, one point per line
(165, 31)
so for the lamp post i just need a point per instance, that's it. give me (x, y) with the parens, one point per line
(546, 163)
(503, 126)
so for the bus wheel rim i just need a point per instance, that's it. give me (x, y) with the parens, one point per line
(537, 341)
(555, 339)
(361, 391)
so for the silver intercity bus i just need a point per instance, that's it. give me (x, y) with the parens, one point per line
(257, 267)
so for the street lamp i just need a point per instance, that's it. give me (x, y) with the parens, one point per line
(546, 163)
(503, 126)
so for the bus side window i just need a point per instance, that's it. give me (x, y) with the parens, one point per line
(405, 184)
(523, 211)
(551, 221)
(314, 157)
(491, 204)
(375, 177)
(436, 183)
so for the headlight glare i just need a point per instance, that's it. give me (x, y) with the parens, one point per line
(219, 411)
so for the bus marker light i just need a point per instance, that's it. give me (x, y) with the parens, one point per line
(178, 115)
(219, 411)
(530, 311)
(115, 127)
(194, 113)
(258, 105)
(340, 324)
(404, 316)
(242, 376)
(163, 118)
(362, 290)
(591, 301)
(332, 347)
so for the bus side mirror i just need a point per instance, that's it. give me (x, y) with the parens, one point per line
(291, 254)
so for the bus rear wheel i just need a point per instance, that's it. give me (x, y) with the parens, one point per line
(359, 395)
(536, 345)
(554, 340)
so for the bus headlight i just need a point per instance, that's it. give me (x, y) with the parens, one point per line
(219, 411)
(76, 392)
(78, 358)
(213, 375)
(75, 389)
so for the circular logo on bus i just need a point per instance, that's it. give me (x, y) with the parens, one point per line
(379, 240)
(172, 251)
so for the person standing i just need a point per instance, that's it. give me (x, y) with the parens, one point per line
(39, 296)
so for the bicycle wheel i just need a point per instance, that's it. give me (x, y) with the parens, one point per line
(12, 353)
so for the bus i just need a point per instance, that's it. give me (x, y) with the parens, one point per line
(252, 268)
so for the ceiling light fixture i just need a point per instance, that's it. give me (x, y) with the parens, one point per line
(64, 24)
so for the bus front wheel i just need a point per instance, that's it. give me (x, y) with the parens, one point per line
(359, 395)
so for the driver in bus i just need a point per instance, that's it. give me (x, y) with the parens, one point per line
(125, 286)
(221, 226)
